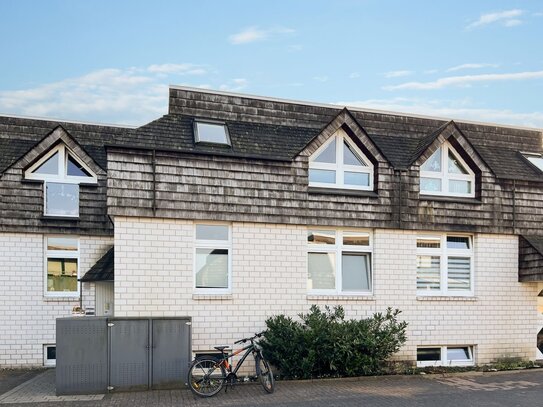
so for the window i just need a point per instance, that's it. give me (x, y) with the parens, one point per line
(61, 266)
(339, 262)
(61, 173)
(49, 355)
(211, 132)
(212, 260)
(445, 356)
(445, 265)
(535, 159)
(445, 173)
(340, 163)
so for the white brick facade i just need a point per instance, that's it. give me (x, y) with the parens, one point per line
(154, 277)
(27, 320)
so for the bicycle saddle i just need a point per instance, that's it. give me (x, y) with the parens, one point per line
(221, 348)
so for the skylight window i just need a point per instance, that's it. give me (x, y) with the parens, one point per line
(535, 159)
(209, 132)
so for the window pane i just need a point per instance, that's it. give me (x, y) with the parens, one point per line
(428, 354)
(458, 242)
(459, 186)
(328, 155)
(429, 242)
(357, 178)
(321, 271)
(458, 273)
(62, 199)
(324, 176)
(458, 353)
(356, 239)
(61, 275)
(321, 237)
(49, 167)
(433, 163)
(430, 185)
(51, 352)
(212, 133)
(61, 243)
(355, 272)
(212, 268)
(535, 160)
(454, 165)
(428, 273)
(211, 232)
(75, 169)
(350, 157)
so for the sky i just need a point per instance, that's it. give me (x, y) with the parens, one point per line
(112, 61)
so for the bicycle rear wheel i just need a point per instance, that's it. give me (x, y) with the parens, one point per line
(265, 374)
(206, 376)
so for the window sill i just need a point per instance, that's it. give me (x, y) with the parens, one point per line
(52, 217)
(60, 299)
(211, 297)
(341, 191)
(446, 298)
(452, 199)
(339, 297)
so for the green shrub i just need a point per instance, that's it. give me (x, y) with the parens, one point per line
(324, 344)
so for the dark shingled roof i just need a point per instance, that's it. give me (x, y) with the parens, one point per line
(18, 135)
(536, 242)
(102, 270)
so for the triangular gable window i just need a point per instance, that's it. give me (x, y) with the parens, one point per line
(445, 173)
(61, 172)
(340, 163)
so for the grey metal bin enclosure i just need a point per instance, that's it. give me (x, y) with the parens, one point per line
(97, 354)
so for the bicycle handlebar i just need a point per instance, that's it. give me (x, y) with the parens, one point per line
(258, 335)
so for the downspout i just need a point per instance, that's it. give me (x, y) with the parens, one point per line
(154, 182)
(514, 207)
(400, 199)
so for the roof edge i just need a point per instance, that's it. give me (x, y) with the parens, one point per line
(351, 108)
(55, 119)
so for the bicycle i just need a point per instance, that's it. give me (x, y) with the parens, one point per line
(208, 374)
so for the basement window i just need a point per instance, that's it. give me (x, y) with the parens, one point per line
(49, 355)
(445, 356)
(535, 159)
(211, 132)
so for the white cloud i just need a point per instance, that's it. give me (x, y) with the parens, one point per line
(322, 78)
(397, 74)
(295, 48)
(459, 110)
(466, 80)
(471, 66)
(508, 18)
(126, 96)
(253, 34)
(354, 75)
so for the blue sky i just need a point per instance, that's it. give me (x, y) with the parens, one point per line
(112, 61)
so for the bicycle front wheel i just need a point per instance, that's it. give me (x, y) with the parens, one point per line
(206, 376)
(265, 374)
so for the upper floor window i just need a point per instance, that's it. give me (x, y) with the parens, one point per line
(445, 265)
(535, 158)
(339, 262)
(211, 132)
(446, 174)
(340, 163)
(213, 261)
(61, 172)
(61, 269)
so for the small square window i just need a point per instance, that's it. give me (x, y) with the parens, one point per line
(208, 132)
(49, 355)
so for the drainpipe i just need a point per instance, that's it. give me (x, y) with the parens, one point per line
(514, 208)
(154, 182)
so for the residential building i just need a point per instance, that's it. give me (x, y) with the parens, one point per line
(233, 208)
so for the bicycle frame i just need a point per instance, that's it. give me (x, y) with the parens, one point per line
(249, 348)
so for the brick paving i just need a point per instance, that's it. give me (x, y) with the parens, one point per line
(503, 389)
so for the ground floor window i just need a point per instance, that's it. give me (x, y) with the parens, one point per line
(445, 356)
(61, 266)
(49, 355)
(212, 260)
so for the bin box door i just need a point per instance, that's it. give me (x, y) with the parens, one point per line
(129, 354)
(170, 353)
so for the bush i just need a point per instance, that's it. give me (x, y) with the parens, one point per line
(324, 344)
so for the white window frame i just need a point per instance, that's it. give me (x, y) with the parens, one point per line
(444, 176)
(443, 252)
(213, 244)
(62, 254)
(446, 362)
(48, 362)
(338, 248)
(61, 177)
(197, 138)
(340, 136)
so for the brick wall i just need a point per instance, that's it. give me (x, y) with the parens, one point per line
(27, 317)
(154, 277)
